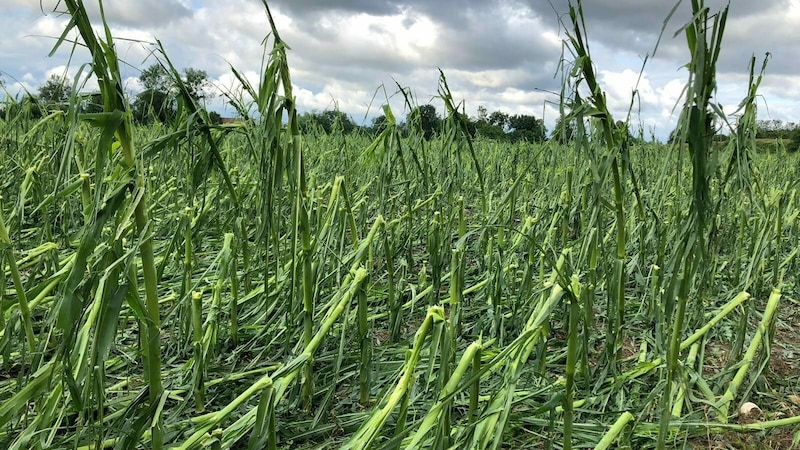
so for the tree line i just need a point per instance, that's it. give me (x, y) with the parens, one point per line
(157, 102)
(498, 125)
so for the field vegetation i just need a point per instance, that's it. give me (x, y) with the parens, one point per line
(268, 284)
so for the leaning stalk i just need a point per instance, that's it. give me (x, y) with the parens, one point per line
(22, 299)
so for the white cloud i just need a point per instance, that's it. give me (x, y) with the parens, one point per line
(620, 87)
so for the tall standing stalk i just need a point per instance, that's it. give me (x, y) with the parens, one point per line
(116, 119)
(704, 43)
(616, 298)
(277, 75)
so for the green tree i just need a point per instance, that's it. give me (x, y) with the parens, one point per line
(564, 131)
(794, 135)
(215, 118)
(328, 121)
(197, 83)
(499, 119)
(491, 126)
(378, 124)
(774, 129)
(426, 119)
(152, 104)
(623, 129)
(471, 124)
(55, 92)
(526, 128)
(335, 120)
(156, 101)
(91, 103)
(482, 114)
(156, 78)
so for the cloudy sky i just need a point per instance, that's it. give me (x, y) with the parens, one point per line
(502, 55)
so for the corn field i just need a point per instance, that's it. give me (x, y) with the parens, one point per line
(244, 285)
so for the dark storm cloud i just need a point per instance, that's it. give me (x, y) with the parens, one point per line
(472, 35)
(611, 19)
(478, 35)
(134, 13)
(627, 25)
(306, 8)
(634, 26)
(129, 13)
(482, 39)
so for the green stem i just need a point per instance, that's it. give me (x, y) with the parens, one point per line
(22, 299)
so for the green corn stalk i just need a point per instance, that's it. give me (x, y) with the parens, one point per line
(395, 307)
(435, 414)
(444, 376)
(464, 136)
(233, 305)
(199, 358)
(22, 299)
(434, 250)
(616, 302)
(368, 432)
(365, 342)
(691, 358)
(188, 258)
(614, 432)
(86, 197)
(280, 379)
(106, 68)
(462, 223)
(572, 360)
(704, 48)
(489, 431)
(457, 289)
(475, 387)
(771, 309)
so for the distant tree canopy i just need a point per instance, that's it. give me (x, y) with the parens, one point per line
(379, 124)
(526, 128)
(778, 129)
(426, 119)
(502, 126)
(775, 129)
(795, 136)
(152, 105)
(564, 131)
(197, 83)
(29, 106)
(215, 118)
(158, 99)
(55, 92)
(472, 126)
(789, 132)
(91, 103)
(492, 126)
(328, 121)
